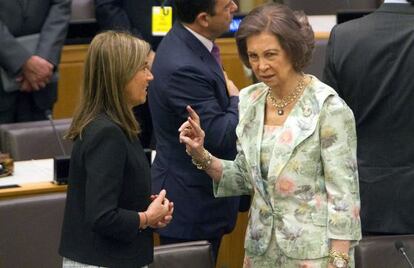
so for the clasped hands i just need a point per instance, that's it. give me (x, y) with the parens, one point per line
(192, 135)
(159, 212)
(36, 74)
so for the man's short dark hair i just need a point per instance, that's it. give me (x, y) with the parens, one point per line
(187, 10)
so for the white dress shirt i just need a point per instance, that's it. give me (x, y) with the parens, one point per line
(396, 1)
(205, 41)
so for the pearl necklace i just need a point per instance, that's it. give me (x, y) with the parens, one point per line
(281, 104)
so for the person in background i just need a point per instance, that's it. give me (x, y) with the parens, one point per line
(137, 17)
(369, 61)
(33, 70)
(109, 216)
(188, 70)
(297, 153)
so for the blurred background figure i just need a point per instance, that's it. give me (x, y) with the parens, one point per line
(32, 69)
(369, 61)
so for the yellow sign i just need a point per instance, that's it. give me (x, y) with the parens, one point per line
(161, 20)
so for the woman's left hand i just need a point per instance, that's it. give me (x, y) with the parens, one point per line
(192, 135)
(167, 218)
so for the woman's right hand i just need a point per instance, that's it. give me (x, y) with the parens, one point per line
(192, 135)
(158, 209)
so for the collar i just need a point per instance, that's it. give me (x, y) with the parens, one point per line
(396, 1)
(205, 41)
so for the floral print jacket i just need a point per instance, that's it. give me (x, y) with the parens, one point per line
(311, 194)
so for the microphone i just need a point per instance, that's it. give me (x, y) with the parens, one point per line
(399, 245)
(48, 114)
(60, 163)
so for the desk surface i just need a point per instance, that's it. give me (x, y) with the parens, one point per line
(31, 188)
(30, 177)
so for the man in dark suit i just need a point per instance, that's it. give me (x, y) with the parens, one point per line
(370, 61)
(186, 73)
(134, 16)
(33, 70)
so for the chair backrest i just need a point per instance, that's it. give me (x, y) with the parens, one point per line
(189, 254)
(326, 7)
(380, 251)
(34, 140)
(30, 231)
(317, 63)
(83, 11)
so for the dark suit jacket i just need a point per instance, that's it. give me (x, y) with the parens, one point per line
(109, 183)
(370, 63)
(50, 18)
(185, 73)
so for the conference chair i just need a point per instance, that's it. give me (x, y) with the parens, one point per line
(330, 7)
(382, 252)
(30, 231)
(34, 140)
(83, 26)
(82, 11)
(317, 63)
(195, 254)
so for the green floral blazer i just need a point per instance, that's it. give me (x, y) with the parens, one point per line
(311, 194)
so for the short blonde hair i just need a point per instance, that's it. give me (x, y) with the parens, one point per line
(112, 60)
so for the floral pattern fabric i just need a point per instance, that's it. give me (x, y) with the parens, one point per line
(311, 192)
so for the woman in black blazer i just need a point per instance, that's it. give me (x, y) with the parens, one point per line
(108, 205)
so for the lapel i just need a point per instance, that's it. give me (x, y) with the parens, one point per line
(300, 124)
(198, 49)
(249, 132)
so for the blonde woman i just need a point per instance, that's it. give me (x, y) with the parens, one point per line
(108, 205)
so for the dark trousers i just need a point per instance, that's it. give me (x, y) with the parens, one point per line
(215, 243)
(23, 110)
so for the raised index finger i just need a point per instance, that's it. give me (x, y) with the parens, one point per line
(193, 114)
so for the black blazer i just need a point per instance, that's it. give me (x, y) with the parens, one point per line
(18, 18)
(109, 183)
(370, 63)
(185, 73)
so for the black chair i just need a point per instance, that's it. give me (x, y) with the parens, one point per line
(30, 231)
(317, 63)
(196, 254)
(34, 140)
(381, 252)
(330, 7)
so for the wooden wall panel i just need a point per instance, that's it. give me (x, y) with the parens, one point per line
(231, 252)
(231, 62)
(71, 73)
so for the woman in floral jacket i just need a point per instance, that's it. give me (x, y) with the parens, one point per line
(297, 151)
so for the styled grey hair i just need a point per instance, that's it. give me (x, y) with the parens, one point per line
(292, 29)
